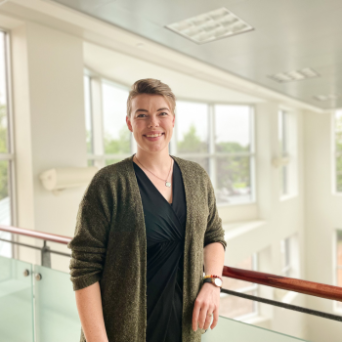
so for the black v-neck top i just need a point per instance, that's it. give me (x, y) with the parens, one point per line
(165, 233)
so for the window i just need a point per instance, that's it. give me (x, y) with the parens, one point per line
(288, 153)
(88, 116)
(338, 264)
(237, 307)
(192, 132)
(234, 158)
(338, 151)
(290, 257)
(117, 137)
(108, 138)
(6, 155)
(220, 139)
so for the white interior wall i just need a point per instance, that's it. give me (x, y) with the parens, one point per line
(49, 127)
(323, 216)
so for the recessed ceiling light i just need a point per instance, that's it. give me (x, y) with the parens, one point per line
(326, 97)
(295, 75)
(210, 26)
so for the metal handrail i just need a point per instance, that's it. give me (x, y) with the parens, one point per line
(285, 283)
(45, 250)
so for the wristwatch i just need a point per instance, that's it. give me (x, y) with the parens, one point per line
(216, 281)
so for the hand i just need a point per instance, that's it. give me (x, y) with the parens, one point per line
(207, 302)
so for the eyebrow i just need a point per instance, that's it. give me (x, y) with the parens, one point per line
(145, 110)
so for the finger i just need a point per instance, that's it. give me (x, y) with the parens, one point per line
(202, 315)
(216, 316)
(195, 315)
(207, 320)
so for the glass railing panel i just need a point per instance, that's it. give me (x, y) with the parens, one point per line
(56, 312)
(16, 301)
(229, 330)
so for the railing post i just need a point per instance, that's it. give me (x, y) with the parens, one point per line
(46, 256)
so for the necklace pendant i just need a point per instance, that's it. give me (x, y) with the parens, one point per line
(168, 184)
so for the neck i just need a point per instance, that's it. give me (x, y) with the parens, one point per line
(154, 161)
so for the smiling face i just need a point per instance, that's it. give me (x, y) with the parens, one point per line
(151, 122)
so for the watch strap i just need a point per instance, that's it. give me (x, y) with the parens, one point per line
(211, 281)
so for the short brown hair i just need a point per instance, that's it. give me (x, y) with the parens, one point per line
(151, 86)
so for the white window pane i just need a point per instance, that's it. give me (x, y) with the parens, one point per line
(3, 96)
(338, 130)
(232, 128)
(117, 137)
(192, 127)
(87, 108)
(233, 184)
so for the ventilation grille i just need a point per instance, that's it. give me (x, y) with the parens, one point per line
(296, 75)
(210, 26)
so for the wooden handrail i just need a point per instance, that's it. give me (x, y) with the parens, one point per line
(36, 234)
(285, 283)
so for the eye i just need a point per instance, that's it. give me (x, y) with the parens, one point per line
(139, 115)
(164, 113)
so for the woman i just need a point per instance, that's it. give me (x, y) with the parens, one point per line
(137, 253)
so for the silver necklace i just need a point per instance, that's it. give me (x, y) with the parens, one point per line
(168, 184)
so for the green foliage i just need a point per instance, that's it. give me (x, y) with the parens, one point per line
(231, 147)
(89, 142)
(121, 145)
(232, 172)
(192, 142)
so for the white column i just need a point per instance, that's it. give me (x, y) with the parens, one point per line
(49, 124)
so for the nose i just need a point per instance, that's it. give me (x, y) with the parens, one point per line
(153, 121)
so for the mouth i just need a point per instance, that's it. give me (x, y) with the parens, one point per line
(153, 137)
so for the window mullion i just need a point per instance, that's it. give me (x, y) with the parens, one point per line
(212, 159)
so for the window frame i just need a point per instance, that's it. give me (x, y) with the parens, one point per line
(336, 307)
(335, 154)
(291, 152)
(254, 287)
(9, 156)
(100, 159)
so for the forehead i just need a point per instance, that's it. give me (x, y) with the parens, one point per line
(149, 101)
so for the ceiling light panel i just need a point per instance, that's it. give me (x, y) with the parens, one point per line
(295, 75)
(210, 26)
(329, 97)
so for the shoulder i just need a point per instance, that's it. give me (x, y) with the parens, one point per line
(111, 175)
(192, 168)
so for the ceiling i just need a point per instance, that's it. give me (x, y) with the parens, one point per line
(288, 35)
(125, 70)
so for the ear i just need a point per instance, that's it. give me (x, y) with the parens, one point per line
(129, 125)
(173, 121)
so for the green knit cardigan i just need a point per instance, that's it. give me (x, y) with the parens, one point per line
(109, 246)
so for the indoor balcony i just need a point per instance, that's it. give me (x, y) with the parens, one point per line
(37, 303)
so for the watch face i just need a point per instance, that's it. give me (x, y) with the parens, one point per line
(218, 282)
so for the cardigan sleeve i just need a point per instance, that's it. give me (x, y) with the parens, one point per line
(214, 231)
(89, 243)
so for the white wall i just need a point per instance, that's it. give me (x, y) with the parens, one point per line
(323, 216)
(49, 127)
(50, 132)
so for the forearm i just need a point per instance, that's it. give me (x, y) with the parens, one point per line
(213, 259)
(89, 306)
